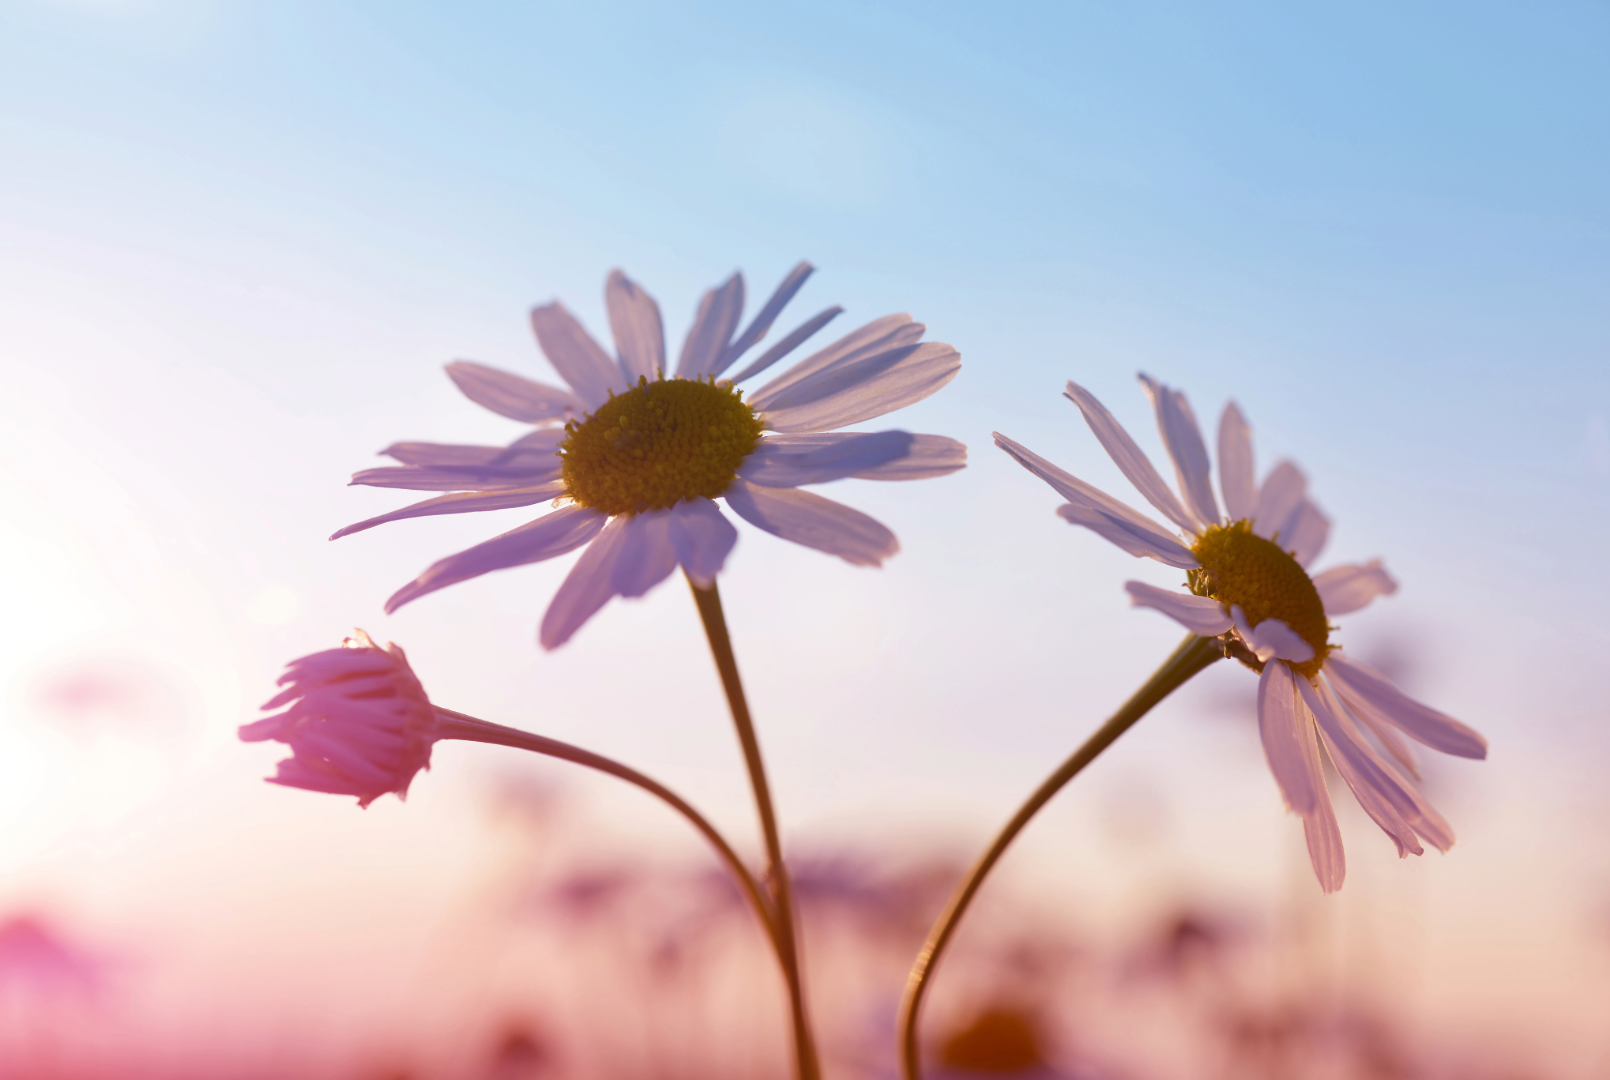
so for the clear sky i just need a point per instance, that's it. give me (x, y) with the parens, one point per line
(239, 239)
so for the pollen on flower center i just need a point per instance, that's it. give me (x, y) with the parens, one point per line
(1242, 568)
(659, 443)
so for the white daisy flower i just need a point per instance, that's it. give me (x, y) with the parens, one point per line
(1247, 583)
(635, 460)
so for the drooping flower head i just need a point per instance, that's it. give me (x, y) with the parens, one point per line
(356, 719)
(635, 458)
(1247, 582)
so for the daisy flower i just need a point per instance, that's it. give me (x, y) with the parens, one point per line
(635, 459)
(1247, 583)
(356, 718)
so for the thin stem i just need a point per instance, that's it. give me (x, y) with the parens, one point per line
(1194, 654)
(776, 876)
(457, 725)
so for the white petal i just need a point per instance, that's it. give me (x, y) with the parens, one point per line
(634, 319)
(588, 586)
(1271, 639)
(1288, 738)
(1375, 772)
(927, 456)
(1345, 589)
(463, 502)
(850, 393)
(1368, 691)
(814, 522)
(703, 537)
(647, 555)
(1287, 731)
(786, 461)
(1100, 512)
(415, 478)
(1305, 533)
(1177, 424)
(513, 396)
(712, 329)
(1129, 458)
(1372, 782)
(1283, 489)
(548, 536)
(575, 355)
(1237, 479)
(878, 336)
(767, 315)
(534, 451)
(788, 344)
(1198, 614)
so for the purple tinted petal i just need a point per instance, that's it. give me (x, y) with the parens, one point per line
(703, 537)
(511, 395)
(814, 522)
(588, 587)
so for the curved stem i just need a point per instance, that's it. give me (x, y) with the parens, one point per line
(1194, 654)
(776, 876)
(466, 728)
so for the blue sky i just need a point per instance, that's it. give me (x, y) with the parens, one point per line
(238, 240)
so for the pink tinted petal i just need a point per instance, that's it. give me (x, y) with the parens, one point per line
(1366, 690)
(1237, 480)
(703, 537)
(513, 396)
(575, 355)
(1198, 614)
(588, 586)
(1404, 798)
(712, 329)
(561, 531)
(787, 461)
(634, 319)
(1372, 782)
(1324, 838)
(1183, 438)
(1305, 533)
(1271, 639)
(1345, 589)
(463, 502)
(1288, 739)
(1130, 459)
(647, 556)
(794, 339)
(1283, 489)
(763, 320)
(814, 522)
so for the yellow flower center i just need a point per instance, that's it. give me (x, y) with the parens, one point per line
(1242, 568)
(658, 443)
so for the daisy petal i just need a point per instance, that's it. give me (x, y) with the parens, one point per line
(1368, 691)
(881, 384)
(1130, 459)
(588, 586)
(647, 555)
(634, 319)
(575, 355)
(787, 461)
(1345, 589)
(415, 478)
(814, 522)
(1198, 614)
(1236, 477)
(535, 452)
(1103, 514)
(1372, 782)
(463, 502)
(1183, 439)
(762, 322)
(703, 537)
(512, 395)
(1305, 533)
(794, 340)
(1271, 639)
(876, 337)
(712, 329)
(1283, 489)
(1403, 797)
(1324, 838)
(548, 536)
(1288, 739)
(927, 456)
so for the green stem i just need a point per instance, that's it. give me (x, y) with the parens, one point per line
(776, 876)
(1194, 654)
(466, 728)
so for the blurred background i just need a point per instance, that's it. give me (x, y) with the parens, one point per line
(238, 241)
